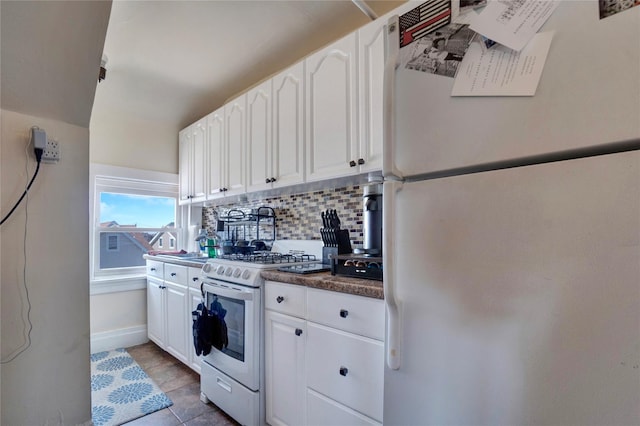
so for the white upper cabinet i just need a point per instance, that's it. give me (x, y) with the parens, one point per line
(192, 143)
(184, 152)
(235, 114)
(331, 110)
(371, 47)
(216, 160)
(288, 127)
(259, 108)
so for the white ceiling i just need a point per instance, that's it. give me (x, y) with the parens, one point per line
(176, 61)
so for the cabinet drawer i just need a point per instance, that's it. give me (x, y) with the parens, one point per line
(324, 411)
(356, 314)
(194, 279)
(285, 298)
(176, 273)
(155, 269)
(347, 368)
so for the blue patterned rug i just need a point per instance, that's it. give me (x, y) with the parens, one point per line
(120, 390)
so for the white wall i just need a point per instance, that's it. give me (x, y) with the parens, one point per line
(50, 381)
(121, 139)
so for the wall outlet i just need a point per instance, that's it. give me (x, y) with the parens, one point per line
(51, 153)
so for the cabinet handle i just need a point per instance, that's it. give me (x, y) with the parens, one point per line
(267, 180)
(352, 163)
(195, 279)
(298, 332)
(279, 299)
(360, 160)
(273, 180)
(344, 313)
(344, 371)
(153, 269)
(162, 287)
(173, 274)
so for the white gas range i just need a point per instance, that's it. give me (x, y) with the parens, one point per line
(232, 374)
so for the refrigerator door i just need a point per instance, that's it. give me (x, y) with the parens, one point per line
(587, 96)
(518, 294)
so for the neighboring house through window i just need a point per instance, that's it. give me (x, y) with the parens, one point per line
(133, 212)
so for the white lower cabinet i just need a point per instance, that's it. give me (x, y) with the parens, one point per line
(285, 362)
(155, 310)
(324, 357)
(171, 297)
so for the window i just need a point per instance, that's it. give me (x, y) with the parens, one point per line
(133, 213)
(112, 242)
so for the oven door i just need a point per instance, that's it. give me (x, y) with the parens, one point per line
(239, 308)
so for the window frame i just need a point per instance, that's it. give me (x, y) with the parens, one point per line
(124, 180)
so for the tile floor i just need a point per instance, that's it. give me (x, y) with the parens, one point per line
(182, 386)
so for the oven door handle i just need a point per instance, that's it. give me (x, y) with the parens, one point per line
(227, 292)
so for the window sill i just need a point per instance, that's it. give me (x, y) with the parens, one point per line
(118, 284)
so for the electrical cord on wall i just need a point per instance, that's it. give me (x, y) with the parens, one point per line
(28, 325)
(38, 153)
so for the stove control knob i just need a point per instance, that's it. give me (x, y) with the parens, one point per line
(220, 270)
(246, 274)
(236, 273)
(206, 268)
(228, 272)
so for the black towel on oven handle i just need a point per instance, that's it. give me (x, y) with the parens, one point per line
(201, 343)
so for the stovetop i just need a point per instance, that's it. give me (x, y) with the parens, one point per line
(245, 269)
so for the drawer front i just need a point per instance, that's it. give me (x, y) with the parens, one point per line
(155, 269)
(285, 298)
(355, 314)
(346, 368)
(194, 279)
(176, 273)
(323, 411)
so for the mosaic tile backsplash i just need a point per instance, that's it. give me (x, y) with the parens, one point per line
(297, 215)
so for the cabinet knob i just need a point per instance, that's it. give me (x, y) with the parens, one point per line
(344, 371)
(352, 163)
(195, 279)
(173, 274)
(273, 180)
(344, 313)
(279, 299)
(267, 180)
(153, 269)
(298, 332)
(220, 189)
(360, 160)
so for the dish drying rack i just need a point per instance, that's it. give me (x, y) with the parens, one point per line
(236, 220)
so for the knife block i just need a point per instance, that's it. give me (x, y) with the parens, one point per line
(343, 246)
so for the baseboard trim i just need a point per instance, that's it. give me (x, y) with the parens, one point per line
(121, 338)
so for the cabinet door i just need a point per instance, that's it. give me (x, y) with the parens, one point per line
(259, 137)
(155, 311)
(235, 121)
(288, 126)
(177, 317)
(215, 126)
(184, 141)
(198, 159)
(195, 297)
(284, 369)
(331, 110)
(371, 45)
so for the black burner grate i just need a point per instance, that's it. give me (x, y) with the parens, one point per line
(267, 258)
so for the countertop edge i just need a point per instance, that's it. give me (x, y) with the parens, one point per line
(326, 281)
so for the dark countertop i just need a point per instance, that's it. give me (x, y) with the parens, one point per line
(326, 281)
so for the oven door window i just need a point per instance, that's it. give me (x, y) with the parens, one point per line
(228, 324)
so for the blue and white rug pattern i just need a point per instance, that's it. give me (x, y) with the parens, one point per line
(120, 390)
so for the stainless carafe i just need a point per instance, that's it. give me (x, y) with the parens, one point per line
(372, 219)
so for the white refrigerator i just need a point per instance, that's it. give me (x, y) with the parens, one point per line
(512, 238)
